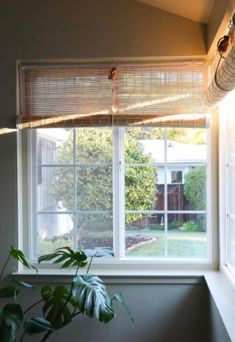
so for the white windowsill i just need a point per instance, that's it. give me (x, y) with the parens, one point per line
(220, 284)
(222, 288)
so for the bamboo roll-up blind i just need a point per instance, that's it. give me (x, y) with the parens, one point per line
(223, 81)
(161, 94)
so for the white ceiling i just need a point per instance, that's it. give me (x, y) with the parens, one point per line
(197, 10)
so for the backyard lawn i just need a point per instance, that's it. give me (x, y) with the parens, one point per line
(179, 244)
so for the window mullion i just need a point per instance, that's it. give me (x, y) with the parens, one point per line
(32, 209)
(165, 195)
(118, 192)
(74, 190)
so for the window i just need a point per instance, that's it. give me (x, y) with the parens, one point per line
(128, 172)
(109, 187)
(177, 177)
(227, 179)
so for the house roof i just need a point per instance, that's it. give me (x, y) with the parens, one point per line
(176, 152)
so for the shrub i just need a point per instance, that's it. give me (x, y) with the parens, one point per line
(189, 226)
(195, 188)
(174, 225)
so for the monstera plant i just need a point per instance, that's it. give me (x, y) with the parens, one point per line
(58, 305)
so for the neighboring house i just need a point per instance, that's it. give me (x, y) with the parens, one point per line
(181, 158)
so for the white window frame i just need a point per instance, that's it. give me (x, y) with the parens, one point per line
(225, 188)
(120, 265)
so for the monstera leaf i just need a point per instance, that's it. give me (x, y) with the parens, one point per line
(10, 321)
(8, 291)
(19, 255)
(66, 257)
(92, 297)
(37, 325)
(118, 297)
(99, 252)
(59, 305)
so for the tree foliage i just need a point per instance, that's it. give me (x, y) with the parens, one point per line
(94, 188)
(195, 188)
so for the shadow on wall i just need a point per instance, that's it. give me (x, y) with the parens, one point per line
(162, 312)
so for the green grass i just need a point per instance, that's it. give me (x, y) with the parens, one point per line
(179, 244)
(184, 245)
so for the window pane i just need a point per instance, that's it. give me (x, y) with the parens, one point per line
(160, 197)
(140, 187)
(94, 188)
(144, 145)
(186, 145)
(231, 194)
(186, 236)
(192, 194)
(54, 231)
(94, 230)
(144, 235)
(54, 188)
(54, 146)
(231, 138)
(177, 177)
(195, 188)
(94, 145)
(231, 241)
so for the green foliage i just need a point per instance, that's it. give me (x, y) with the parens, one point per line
(66, 257)
(140, 181)
(187, 135)
(49, 246)
(99, 252)
(94, 183)
(195, 188)
(174, 225)
(19, 255)
(92, 297)
(58, 306)
(87, 294)
(120, 299)
(189, 226)
(37, 325)
(8, 291)
(10, 322)
(157, 226)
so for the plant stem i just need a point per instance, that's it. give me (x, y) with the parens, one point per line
(34, 304)
(4, 266)
(22, 336)
(76, 273)
(46, 336)
(88, 268)
(76, 313)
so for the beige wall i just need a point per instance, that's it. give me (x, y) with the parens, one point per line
(218, 24)
(33, 29)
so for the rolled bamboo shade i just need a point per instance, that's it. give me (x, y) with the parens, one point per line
(223, 82)
(162, 94)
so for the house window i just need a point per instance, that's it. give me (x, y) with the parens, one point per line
(177, 177)
(109, 187)
(116, 157)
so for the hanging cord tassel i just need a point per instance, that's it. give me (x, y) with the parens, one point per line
(222, 47)
(113, 78)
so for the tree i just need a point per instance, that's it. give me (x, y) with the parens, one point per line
(94, 189)
(195, 188)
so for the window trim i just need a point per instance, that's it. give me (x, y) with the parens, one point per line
(130, 266)
(224, 180)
